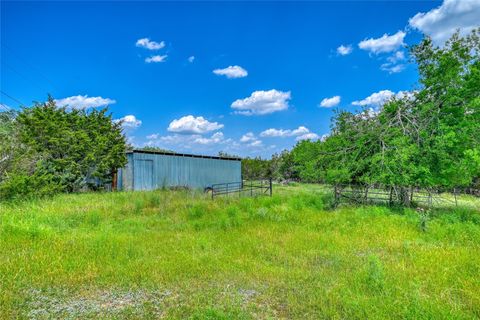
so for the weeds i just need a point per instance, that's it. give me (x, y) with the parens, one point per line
(73, 256)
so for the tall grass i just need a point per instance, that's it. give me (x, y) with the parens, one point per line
(178, 254)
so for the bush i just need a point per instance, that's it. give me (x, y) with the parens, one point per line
(47, 149)
(21, 185)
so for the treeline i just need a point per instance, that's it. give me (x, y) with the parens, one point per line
(46, 149)
(428, 138)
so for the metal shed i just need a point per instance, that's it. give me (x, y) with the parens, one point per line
(149, 170)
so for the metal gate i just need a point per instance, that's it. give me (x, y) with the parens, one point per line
(249, 188)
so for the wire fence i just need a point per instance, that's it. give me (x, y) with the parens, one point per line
(407, 196)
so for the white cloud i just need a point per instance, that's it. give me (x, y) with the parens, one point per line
(378, 99)
(275, 133)
(4, 107)
(440, 23)
(330, 102)
(390, 68)
(308, 136)
(284, 133)
(192, 142)
(385, 43)
(344, 50)
(256, 143)
(375, 99)
(84, 102)
(262, 102)
(393, 64)
(398, 56)
(191, 59)
(217, 137)
(150, 45)
(248, 137)
(153, 136)
(251, 140)
(130, 122)
(156, 59)
(193, 125)
(300, 130)
(232, 72)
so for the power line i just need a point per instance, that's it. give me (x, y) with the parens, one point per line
(14, 99)
(24, 77)
(31, 66)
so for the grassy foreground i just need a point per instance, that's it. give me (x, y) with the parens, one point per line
(177, 254)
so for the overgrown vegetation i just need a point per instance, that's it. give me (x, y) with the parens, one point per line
(428, 138)
(47, 149)
(178, 255)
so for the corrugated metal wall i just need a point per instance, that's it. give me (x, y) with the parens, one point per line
(147, 171)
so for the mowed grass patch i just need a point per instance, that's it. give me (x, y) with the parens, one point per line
(178, 254)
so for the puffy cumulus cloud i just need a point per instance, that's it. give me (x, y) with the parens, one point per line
(156, 59)
(146, 43)
(262, 102)
(84, 102)
(324, 136)
(191, 59)
(379, 98)
(330, 102)
(270, 133)
(385, 43)
(217, 137)
(344, 50)
(375, 99)
(275, 133)
(256, 143)
(248, 137)
(251, 140)
(308, 136)
(193, 125)
(130, 122)
(440, 23)
(231, 72)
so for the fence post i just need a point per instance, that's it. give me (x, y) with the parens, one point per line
(391, 197)
(251, 188)
(335, 201)
(455, 195)
(270, 181)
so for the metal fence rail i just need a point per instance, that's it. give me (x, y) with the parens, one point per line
(365, 194)
(249, 188)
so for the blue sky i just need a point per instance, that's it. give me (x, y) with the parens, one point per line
(246, 78)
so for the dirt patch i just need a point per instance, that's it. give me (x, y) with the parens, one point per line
(63, 304)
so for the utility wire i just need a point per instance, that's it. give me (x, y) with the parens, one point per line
(14, 99)
(24, 77)
(31, 66)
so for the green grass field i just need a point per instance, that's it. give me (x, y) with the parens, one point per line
(178, 254)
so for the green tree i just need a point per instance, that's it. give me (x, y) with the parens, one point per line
(70, 149)
(429, 137)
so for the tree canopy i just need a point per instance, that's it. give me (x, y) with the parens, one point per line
(50, 149)
(429, 137)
